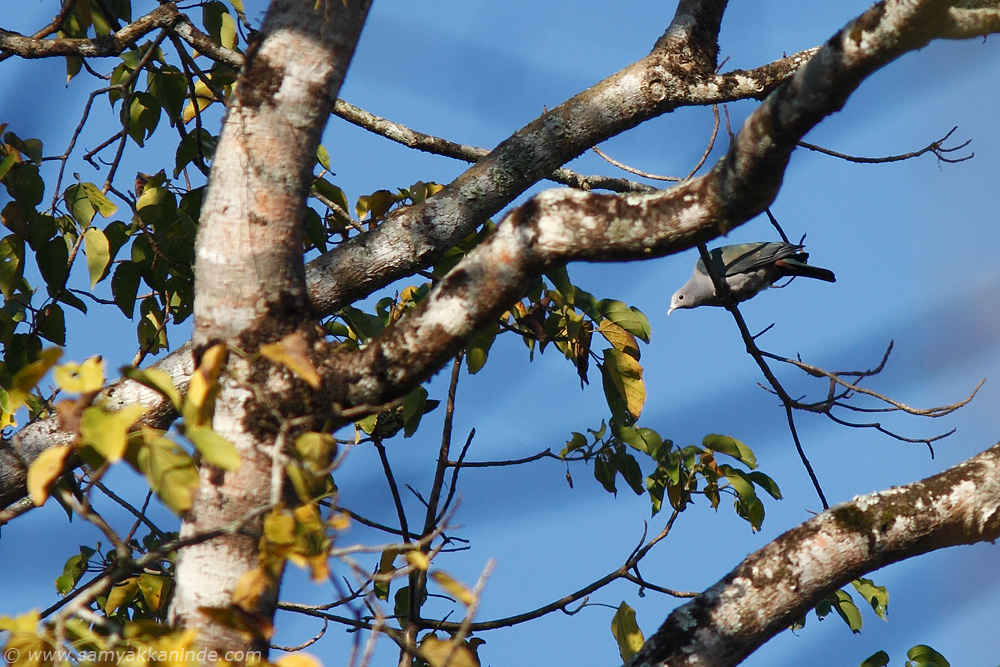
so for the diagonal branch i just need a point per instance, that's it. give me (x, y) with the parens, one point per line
(773, 586)
(559, 226)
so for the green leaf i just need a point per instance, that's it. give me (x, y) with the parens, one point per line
(154, 589)
(213, 447)
(125, 286)
(922, 655)
(214, 15)
(8, 161)
(107, 430)
(73, 570)
(51, 324)
(32, 148)
(478, 350)
(413, 410)
(630, 471)
(25, 185)
(316, 450)
(170, 471)
(576, 442)
(604, 473)
(53, 259)
(880, 659)
(731, 447)
(645, 440)
(85, 200)
(95, 246)
(877, 596)
(323, 157)
(11, 264)
(79, 205)
(169, 87)
(842, 603)
(198, 143)
(144, 116)
(766, 483)
(122, 594)
(560, 279)
(626, 631)
(156, 380)
(629, 318)
(70, 299)
(101, 204)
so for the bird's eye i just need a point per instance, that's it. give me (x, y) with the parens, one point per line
(680, 297)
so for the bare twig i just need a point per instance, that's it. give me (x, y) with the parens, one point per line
(935, 147)
(632, 170)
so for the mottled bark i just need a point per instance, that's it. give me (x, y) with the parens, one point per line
(776, 585)
(250, 289)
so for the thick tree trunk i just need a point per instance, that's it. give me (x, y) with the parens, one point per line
(250, 289)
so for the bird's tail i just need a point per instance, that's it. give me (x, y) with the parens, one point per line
(793, 267)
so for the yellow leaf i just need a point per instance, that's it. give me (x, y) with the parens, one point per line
(624, 373)
(442, 653)
(339, 521)
(250, 587)
(316, 450)
(169, 469)
(418, 560)
(213, 447)
(626, 631)
(204, 95)
(292, 352)
(154, 589)
(298, 660)
(122, 594)
(199, 405)
(26, 622)
(80, 378)
(107, 430)
(44, 470)
(459, 590)
(29, 376)
(619, 338)
(279, 527)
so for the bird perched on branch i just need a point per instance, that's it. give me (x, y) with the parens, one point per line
(747, 269)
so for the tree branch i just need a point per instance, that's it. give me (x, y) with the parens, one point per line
(778, 583)
(559, 226)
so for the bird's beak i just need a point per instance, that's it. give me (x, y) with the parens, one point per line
(670, 310)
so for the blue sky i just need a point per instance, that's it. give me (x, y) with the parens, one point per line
(913, 245)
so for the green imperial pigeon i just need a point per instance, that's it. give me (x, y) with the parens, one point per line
(747, 268)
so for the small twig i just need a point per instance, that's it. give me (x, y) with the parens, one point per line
(140, 516)
(305, 644)
(711, 143)
(934, 147)
(393, 487)
(632, 170)
(781, 232)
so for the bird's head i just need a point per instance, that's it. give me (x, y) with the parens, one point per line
(680, 299)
